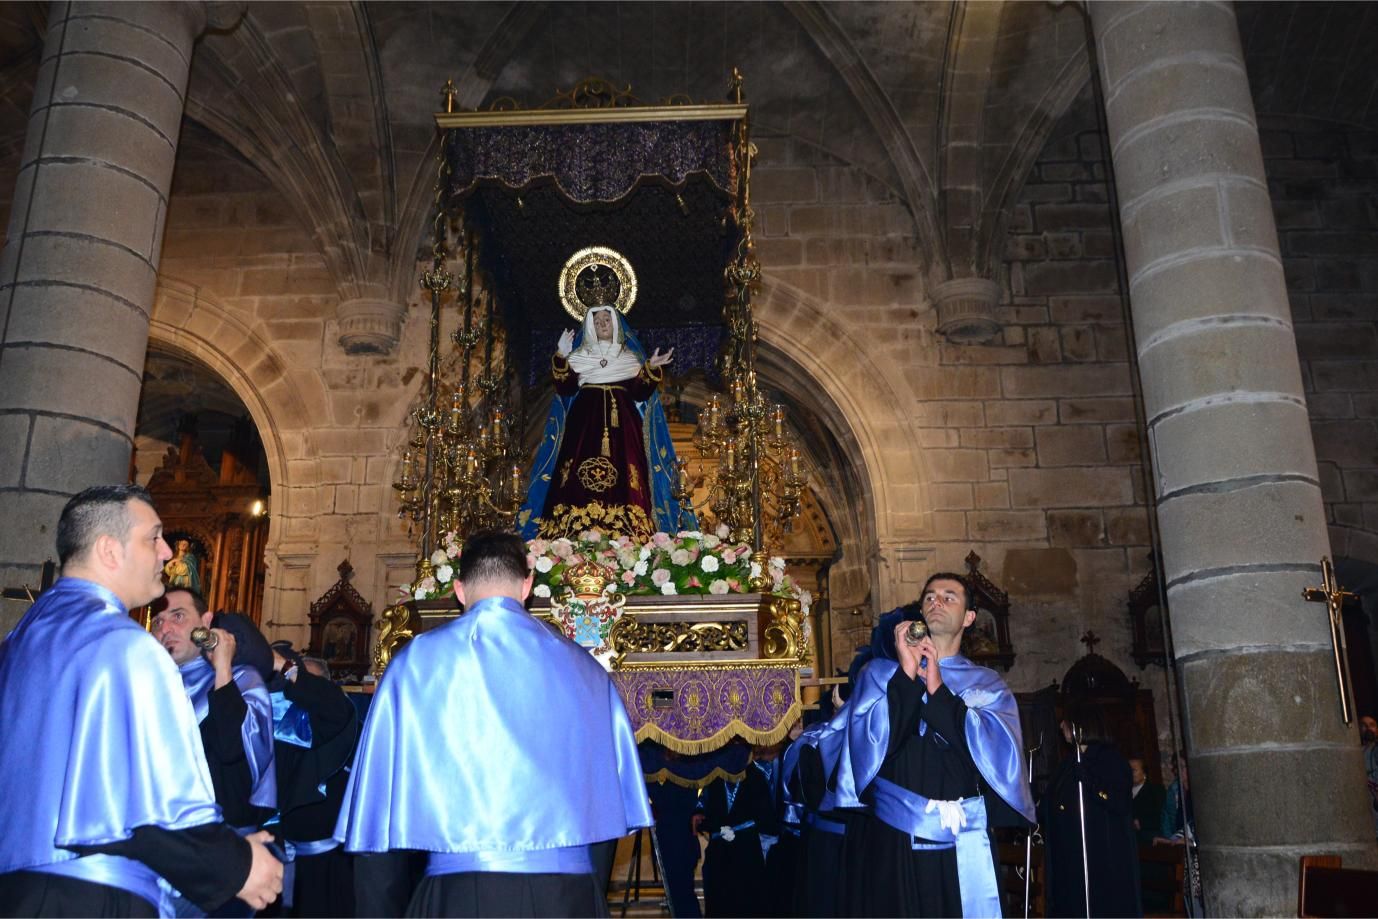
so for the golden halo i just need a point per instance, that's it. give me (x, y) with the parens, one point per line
(590, 259)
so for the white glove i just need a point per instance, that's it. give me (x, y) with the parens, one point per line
(727, 833)
(566, 344)
(950, 814)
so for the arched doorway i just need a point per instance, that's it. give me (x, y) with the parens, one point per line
(199, 453)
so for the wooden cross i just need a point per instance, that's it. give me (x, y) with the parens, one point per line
(1334, 596)
(1090, 640)
(26, 592)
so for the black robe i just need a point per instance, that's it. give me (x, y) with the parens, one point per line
(208, 863)
(886, 876)
(822, 867)
(1111, 849)
(734, 872)
(323, 885)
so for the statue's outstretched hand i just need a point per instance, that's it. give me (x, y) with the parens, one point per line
(660, 360)
(566, 344)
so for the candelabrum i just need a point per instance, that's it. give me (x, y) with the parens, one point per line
(759, 481)
(459, 471)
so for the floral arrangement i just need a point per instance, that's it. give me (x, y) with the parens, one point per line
(688, 562)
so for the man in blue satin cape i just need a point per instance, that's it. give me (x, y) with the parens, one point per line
(497, 752)
(933, 750)
(107, 789)
(232, 706)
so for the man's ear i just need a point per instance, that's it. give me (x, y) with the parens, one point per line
(526, 585)
(206, 618)
(969, 618)
(107, 552)
(459, 592)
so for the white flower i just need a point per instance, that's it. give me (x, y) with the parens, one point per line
(419, 595)
(777, 563)
(640, 568)
(438, 557)
(718, 587)
(541, 590)
(444, 573)
(544, 564)
(722, 531)
(709, 563)
(755, 570)
(680, 556)
(645, 553)
(660, 577)
(668, 588)
(711, 541)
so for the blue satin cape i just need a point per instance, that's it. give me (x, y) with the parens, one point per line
(198, 676)
(667, 514)
(992, 730)
(94, 728)
(493, 734)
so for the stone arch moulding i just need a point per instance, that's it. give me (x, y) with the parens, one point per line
(188, 322)
(799, 325)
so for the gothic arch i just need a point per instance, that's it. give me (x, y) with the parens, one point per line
(187, 321)
(798, 325)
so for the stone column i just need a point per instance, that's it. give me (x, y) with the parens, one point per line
(1274, 772)
(78, 269)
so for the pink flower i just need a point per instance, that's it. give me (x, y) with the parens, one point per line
(679, 557)
(693, 554)
(530, 560)
(562, 548)
(722, 532)
(661, 540)
(659, 577)
(734, 583)
(729, 557)
(538, 546)
(695, 582)
(629, 578)
(718, 587)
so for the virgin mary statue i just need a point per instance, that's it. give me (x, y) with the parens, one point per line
(605, 460)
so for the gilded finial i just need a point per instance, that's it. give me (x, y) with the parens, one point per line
(736, 87)
(449, 91)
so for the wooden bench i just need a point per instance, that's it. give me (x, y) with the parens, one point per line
(1324, 888)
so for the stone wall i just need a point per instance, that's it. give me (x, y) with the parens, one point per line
(1024, 449)
(1323, 180)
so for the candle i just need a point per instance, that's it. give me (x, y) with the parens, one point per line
(777, 420)
(516, 482)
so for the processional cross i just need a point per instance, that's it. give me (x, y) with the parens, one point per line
(1334, 596)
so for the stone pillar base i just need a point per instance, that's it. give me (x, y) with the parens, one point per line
(966, 310)
(369, 326)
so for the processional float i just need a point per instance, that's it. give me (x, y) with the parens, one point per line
(648, 201)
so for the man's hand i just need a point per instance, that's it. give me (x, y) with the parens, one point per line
(660, 360)
(696, 823)
(264, 882)
(932, 675)
(222, 657)
(566, 344)
(908, 654)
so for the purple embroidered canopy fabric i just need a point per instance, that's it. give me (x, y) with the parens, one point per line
(591, 163)
(710, 705)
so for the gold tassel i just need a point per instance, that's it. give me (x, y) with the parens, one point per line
(607, 410)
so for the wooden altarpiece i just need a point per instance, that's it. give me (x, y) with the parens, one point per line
(340, 623)
(221, 518)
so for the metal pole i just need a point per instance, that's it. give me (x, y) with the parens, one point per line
(1028, 839)
(1081, 808)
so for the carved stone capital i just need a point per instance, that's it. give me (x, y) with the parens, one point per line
(966, 310)
(369, 325)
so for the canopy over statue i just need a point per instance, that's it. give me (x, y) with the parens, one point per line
(605, 460)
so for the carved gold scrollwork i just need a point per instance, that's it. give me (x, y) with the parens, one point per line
(394, 631)
(783, 635)
(629, 636)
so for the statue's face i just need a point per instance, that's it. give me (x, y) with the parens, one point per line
(602, 325)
